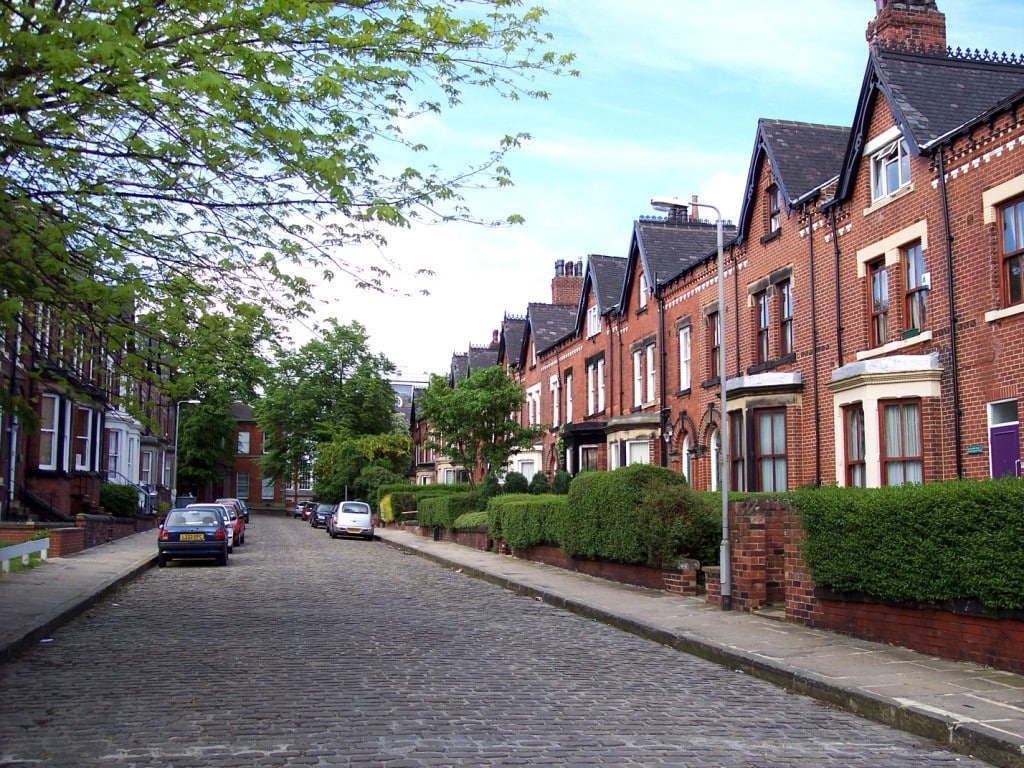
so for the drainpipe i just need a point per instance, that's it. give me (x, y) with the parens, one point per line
(736, 314)
(662, 379)
(814, 346)
(951, 297)
(839, 297)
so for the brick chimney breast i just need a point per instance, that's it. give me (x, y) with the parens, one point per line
(913, 23)
(567, 284)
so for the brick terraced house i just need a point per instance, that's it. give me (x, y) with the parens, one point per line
(874, 297)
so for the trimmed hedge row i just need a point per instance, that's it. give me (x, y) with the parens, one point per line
(948, 541)
(119, 500)
(636, 514)
(395, 498)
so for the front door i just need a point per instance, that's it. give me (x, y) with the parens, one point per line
(1004, 442)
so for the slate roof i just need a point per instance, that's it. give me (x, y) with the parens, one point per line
(459, 369)
(668, 248)
(482, 357)
(510, 343)
(606, 273)
(550, 323)
(935, 97)
(803, 156)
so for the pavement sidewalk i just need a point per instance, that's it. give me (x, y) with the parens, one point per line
(971, 709)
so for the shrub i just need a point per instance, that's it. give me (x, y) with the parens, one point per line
(560, 482)
(523, 520)
(470, 521)
(955, 540)
(119, 500)
(539, 484)
(516, 482)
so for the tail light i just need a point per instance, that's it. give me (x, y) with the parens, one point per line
(219, 535)
(164, 535)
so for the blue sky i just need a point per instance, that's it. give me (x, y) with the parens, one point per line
(667, 104)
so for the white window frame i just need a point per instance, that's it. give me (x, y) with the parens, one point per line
(600, 385)
(638, 378)
(268, 488)
(146, 468)
(651, 393)
(244, 443)
(242, 485)
(83, 458)
(533, 405)
(685, 357)
(638, 452)
(568, 398)
(50, 406)
(556, 400)
(593, 321)
(113, 450)
(643, 291)
(895, 153)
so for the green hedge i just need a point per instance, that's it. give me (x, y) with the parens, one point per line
(602, 517)
(395, 498)
(470, 521)
(957, 540)
(119, 500)
(444, 510)
(523, 520)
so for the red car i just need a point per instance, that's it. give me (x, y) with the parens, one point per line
(237, 521)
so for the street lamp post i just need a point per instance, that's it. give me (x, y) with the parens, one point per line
(724, 552)
(174, 474)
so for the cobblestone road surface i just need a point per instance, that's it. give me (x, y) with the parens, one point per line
(307, 651)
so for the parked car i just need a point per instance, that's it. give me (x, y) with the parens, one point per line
(320, 515)
(236, 522)
(193, 533)
(243, 506)
(351, 518)
(303, 509)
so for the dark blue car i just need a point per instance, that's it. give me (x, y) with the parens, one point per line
(197, 532)
(321, 514)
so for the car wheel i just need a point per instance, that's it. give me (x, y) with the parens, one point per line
(222, 559)
(161, 561)
(368, 538)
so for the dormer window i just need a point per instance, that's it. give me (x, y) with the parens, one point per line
(890, 169)
(774, 209)
(593, 321)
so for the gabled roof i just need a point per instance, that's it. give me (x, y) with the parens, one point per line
(459, 369)
(933, 97)
(548, 324)
(510, 342)
(482, 357)
(666, 249)
(803, 156)
(603, 277)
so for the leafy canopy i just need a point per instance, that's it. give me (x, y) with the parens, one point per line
(158, 157)
(474, 423)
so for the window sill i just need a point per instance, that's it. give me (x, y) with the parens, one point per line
(710, 383)
(1000, 314)
(683, 392)
(891, 197)
(770, 364)
(771, 236)
(895, 346)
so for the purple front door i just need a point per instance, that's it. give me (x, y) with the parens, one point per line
(1005, 443)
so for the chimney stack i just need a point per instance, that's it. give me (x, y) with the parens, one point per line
(567, 284)
(911, 23)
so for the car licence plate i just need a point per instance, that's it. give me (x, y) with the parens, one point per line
(192, 536)
(354, 530)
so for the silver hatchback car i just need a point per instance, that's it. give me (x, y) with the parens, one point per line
(351, 518)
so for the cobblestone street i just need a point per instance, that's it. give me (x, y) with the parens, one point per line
(315, 652)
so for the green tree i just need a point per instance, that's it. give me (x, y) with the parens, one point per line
(347, 467)
(473, 423)
(333, 387)
(206, 443)
(160, 158)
